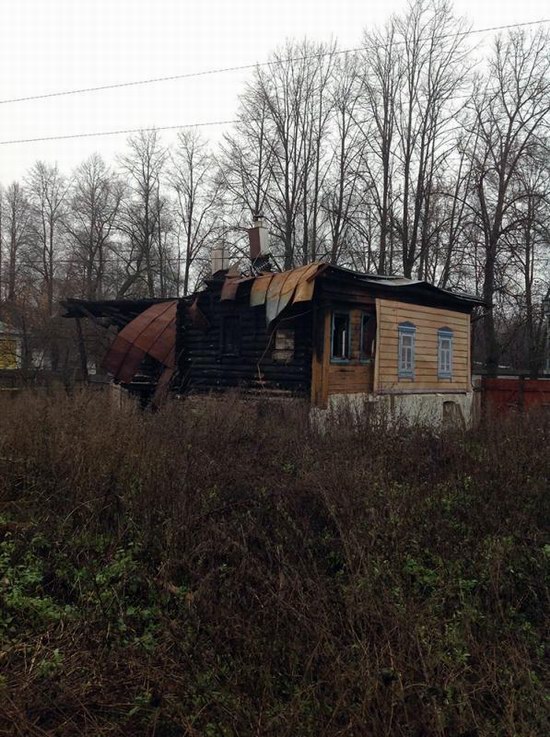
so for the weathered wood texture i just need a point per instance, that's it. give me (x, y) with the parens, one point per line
(206, 366)
(329, 377)
(319, 367)
(354, 376)
(428, 320)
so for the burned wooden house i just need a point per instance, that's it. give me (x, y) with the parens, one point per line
(318, 331)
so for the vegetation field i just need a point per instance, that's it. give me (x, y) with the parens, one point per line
(224, 568)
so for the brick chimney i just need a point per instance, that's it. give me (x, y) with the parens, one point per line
(258, 236)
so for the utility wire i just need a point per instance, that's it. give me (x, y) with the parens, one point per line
(213, 71)
(126, 131)
(117, 132)
(244, 67)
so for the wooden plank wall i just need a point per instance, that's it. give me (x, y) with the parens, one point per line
(427, 321)
(354, 377)
(204, 368)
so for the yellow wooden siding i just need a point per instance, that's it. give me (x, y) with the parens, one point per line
(427, 320)
(8, 353)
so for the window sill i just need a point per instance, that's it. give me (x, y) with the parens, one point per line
(340, 360)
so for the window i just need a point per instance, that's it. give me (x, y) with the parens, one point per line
(407, 336)
(283, 351)
(368, 331)
(231, 335)
(445, 353)
(340, 343)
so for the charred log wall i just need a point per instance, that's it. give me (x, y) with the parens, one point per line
(237, 350)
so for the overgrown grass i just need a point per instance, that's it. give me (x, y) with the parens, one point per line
(222, 568)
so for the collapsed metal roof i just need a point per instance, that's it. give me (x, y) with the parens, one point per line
(281, 289)
(276, 290)
(152, 333)
(118, 312)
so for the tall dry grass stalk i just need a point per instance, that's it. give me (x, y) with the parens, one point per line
(224, 568)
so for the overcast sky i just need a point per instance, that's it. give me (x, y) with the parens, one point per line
(53, 45)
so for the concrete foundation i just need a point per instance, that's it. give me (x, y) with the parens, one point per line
(456, 409)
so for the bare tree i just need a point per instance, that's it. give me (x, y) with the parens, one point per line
(319, 106)
(510, 113)
(380, 77)
(141, 216)
(277, 154)
(47, 190)
(432, 69)
(341, 194)
(17, 228)
(410, 72)
(529, 246)
(1, 242)
(96, 198)
(245, 159)
(196, 199)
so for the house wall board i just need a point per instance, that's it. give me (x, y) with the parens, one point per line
(428, 320)
(354, 376)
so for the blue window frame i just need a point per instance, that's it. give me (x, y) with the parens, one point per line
(340, 344)
(445, 353)
(406, 350)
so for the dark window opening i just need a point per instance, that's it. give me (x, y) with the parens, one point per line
(231, 335)
(340, 343)
(283, 350)
(368, 334)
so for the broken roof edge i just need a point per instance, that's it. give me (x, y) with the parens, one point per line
(457, 296)
(402, 283)
(77, 307)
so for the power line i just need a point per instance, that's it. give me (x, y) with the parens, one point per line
(117, 132)
(244, 67)
(125, 131)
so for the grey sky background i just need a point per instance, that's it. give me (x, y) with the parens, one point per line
(54, 45)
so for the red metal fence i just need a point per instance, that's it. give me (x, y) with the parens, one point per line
(515, 393)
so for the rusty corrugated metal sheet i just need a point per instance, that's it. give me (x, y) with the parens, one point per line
(152, 333)
(273, 294)
(277, 291)
(304, 290)
(231, 285)
(259, 289)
